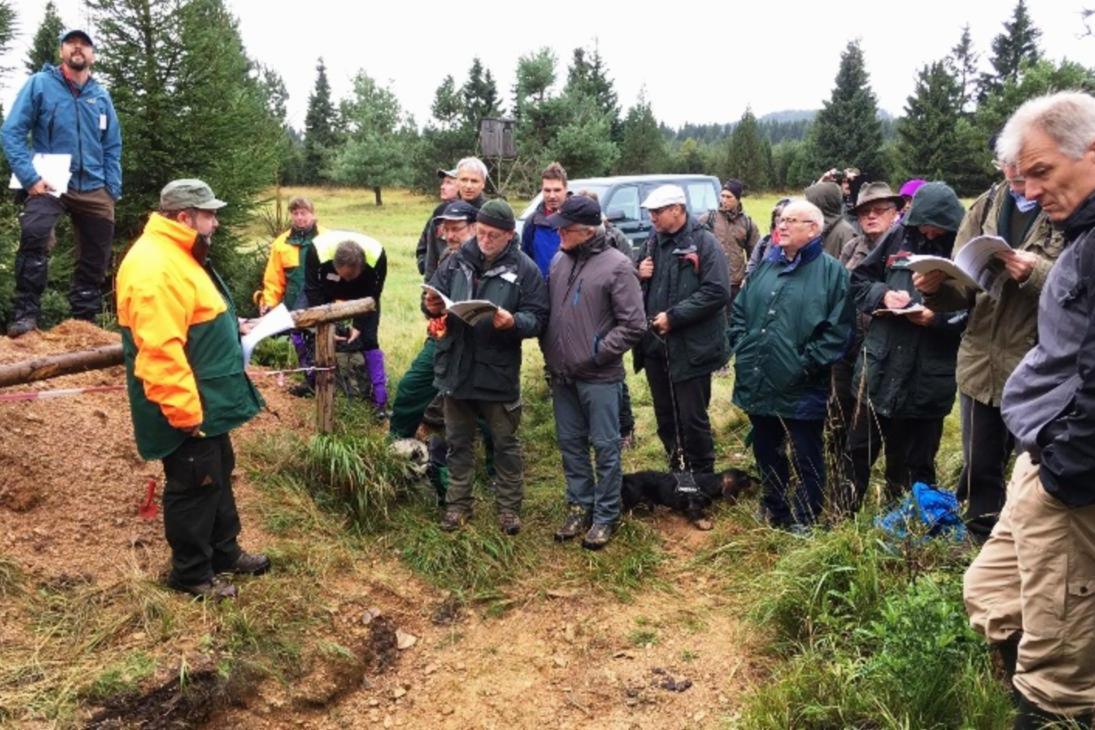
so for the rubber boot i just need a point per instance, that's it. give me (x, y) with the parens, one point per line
(374, 362)
(31, 273)
(303, 341)
(85, 303)
(1032, 717)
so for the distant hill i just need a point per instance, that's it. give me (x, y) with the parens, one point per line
(780, 126)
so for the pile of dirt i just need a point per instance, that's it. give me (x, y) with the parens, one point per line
(70, 476)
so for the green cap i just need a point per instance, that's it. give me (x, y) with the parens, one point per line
(497, 214)
(189, 193)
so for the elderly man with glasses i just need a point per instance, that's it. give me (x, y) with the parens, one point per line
(790, 323)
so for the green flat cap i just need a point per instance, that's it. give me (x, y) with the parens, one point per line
(188, 193)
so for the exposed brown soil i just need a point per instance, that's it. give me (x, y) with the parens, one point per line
(70, 484)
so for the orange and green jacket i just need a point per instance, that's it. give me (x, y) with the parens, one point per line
(283, 279)
(180, 338)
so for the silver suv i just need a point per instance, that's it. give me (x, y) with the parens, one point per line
(620, 198)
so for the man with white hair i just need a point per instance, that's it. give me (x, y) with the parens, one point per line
(791, 321)
(469, 177)
(1031, 590)
(686, 289)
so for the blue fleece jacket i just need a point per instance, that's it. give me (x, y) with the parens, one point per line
(58, 121)
(539, 241)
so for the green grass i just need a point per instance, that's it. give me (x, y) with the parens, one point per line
(859, 635)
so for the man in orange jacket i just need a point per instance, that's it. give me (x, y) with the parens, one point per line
(187, 387)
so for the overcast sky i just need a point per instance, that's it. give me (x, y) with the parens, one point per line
(704, 65)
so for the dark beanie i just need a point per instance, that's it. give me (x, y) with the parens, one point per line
(734, 185)
(497, 214)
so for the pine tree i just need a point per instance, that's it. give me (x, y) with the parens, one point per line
(535, 77)
(846, 131)
(189, 101)
(320, 125)
(642, 149)
(748, 154)
(448, 104)
(962, 63)
(44, 47)
(588, 78)
(480, 96)
(1015, 46)
(934, 140)
(378, 138)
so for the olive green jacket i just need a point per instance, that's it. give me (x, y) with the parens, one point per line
(999, 332)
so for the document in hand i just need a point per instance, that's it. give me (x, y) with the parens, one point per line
(911, 309)
(54, 169)
(975, 267)
(472, 311)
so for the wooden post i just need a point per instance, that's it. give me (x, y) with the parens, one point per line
(325, 379)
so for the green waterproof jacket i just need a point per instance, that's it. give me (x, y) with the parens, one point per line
(691, 284)
(481, 362)
(1000, 331)
(791, 321)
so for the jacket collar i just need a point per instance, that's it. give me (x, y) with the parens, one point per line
(166, 229)
(590, 248)
(1081, 220)
(805, 255)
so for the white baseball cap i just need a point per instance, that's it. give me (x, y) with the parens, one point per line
(664, 195)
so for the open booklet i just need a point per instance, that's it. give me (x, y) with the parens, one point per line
(975, 267)
(911, 309)
(472, 311)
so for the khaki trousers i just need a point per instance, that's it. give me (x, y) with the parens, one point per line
(1036, 575)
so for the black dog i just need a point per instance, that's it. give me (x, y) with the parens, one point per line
(652, 488)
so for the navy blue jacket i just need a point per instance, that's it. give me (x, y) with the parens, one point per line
(83, 125)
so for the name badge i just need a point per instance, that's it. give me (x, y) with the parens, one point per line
(333, 277)
(102, 121)
(510, 277)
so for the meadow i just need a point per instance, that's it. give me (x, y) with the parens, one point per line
(742, 626)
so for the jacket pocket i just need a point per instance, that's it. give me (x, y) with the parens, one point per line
(494, 371)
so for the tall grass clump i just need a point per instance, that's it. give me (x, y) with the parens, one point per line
(872, 634)
(356, 472)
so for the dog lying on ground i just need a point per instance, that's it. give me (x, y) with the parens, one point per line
(652, 488)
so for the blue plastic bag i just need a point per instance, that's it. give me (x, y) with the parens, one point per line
(933, 512)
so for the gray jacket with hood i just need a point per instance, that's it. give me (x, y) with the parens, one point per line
(596, 313)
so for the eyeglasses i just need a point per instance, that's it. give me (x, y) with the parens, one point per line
(793, 221)
(492, 236)
(658, 211)
(876, 210)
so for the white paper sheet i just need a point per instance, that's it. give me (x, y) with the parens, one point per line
(54, 169)
(276, 320)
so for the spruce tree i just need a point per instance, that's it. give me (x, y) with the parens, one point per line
(191, 105)
(480, 96)
(642, 147)
(320, 125)
(588, 78)
(1011, 49)
(962, 63)
(846, 131)
(46, 43)
(748, 155)
(934, 140)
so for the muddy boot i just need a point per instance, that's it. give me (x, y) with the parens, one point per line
(577, 521)
(1032, 717)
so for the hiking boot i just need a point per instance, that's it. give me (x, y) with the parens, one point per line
(577, 521)
(454, 519)
(598, 536)
(509, 522)
(248, 564)
(21, 326)
(302, 390)
(215, 589)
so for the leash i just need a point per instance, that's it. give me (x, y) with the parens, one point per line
(682, 470)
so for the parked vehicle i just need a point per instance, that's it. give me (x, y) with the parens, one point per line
(621, 197)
